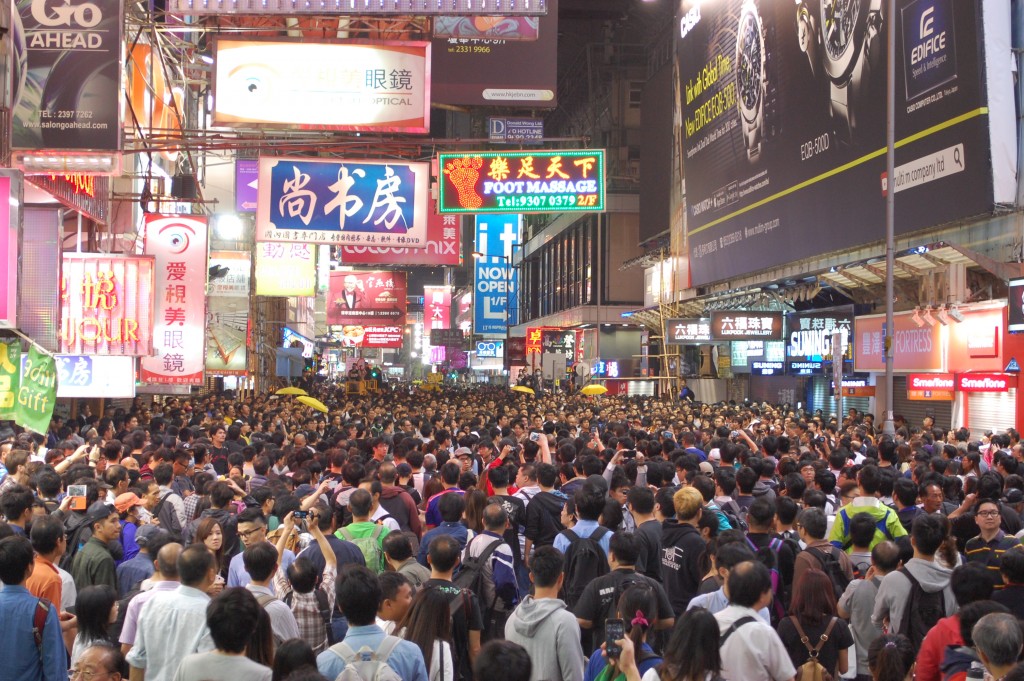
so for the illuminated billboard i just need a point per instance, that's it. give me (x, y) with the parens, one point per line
(522, 181)
(381, 87)
(106, 305)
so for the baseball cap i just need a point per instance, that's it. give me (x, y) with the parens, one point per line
(1014, 496)
(463, 451)
(100, 510)
(304, 490)
(706, 468)
(125, 502)
(145, 533)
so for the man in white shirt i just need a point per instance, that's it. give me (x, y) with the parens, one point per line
(173, 624)
(750, 649)
(260, 560)
(164, 579)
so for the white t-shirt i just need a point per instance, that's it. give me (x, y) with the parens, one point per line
(215, 666)
(442, 650)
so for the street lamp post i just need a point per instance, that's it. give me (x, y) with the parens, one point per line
(507, 271)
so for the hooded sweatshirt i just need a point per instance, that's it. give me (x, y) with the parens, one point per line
(400, 506)
(682, 547)
(551, 636)
(894, 592)
(957, 661)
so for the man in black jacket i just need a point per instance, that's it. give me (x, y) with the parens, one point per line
(682, 548)
(543, 515)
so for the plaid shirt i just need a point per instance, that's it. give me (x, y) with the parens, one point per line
(191, 504)
(305, 608)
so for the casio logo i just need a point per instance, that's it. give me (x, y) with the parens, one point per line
(930, 42)
(691, 19)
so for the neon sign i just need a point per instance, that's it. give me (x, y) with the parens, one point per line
(79, 183)
(106, 305)
(522, 181)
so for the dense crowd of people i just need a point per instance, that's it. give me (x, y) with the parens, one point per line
(494, 535)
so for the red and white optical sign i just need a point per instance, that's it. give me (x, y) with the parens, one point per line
(983, 383)
(179, 246)
(106, 305)
(930, 382)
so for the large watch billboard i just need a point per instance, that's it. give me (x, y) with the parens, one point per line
(783, 123)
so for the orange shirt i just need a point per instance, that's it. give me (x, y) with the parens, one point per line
(44, 581)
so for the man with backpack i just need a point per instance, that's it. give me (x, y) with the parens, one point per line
(599, 600)
(543, 512)
(811, 523)
(488, 570)
(682, 550)
(858, 602)
(171, 507)
(586, 545)
(887, 521)
(463, 604)
(308, 592)
(367, 535)
(261, 562)
(390, 658)
(451, 507)
(915, 597)
(773, 552)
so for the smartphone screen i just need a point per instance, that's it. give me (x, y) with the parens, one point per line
(614, 630)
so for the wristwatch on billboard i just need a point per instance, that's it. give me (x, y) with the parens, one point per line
(852, 49)
(751, 83)
(807, 33)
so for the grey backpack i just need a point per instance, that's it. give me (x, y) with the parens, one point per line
(366, 664)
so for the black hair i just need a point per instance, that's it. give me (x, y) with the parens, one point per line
(46, 532)
(590, 503)
(15, 501)
(302, 575)
(360, 502)
(390, 584)
(546, 566)
(291, 656)
(232, 618)
(358, 594)
(451, 506)
(971, 582)
(397, 546)
(748, 582)
(626, 547)
(1011, 566)
(862, 529)
(444, 552)
(92, 609)
(194, 563)
(502, 661)
(693, 649)
(928, 533)
(260, 560)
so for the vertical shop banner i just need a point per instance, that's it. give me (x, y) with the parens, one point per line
(67, 74)
(153, 102)
(496, 281)
(106, 305)
(369, 306)
(444, 245)
(10, 377)
(285, 270)
(37, 393)
(227, 316)
(10, 219)
(178, 243)
(352, 203)
(437, 307)
(247, 172)
(783, 115)
(496, 61)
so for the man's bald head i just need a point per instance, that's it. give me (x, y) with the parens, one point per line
(167, 561)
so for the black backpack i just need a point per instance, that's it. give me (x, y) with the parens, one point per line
(921, 611)
(585, 561)
(323, 608)
(831, 566)
(472, 574)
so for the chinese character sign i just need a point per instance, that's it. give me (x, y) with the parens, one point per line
(285, 269)
(227, 313)
(437, 307)
(381, 87)
(682, 331)
(179, 245)
(444, 246)
(522, 181)
(359, 299)
(350, 203)
(38, 392)
(741, 325)
(107, 305)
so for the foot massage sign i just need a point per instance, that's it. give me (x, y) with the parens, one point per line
(522, 182)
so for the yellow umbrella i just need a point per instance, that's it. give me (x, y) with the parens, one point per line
(594, 389)
(291, 390)
(523, 389)
(312, 402)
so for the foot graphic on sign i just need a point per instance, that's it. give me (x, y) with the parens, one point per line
(464, 173)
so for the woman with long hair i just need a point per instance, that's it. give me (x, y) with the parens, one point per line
(476, 501)
(638, 609)
(813, 617)
(891, 657)
(211, 534)
(692, 653)
(292, 655)
(96, 609)
(261, 644)
(428, 625)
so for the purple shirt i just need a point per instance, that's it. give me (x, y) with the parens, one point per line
(131, 616)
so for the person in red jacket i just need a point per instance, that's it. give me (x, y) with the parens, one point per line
(970, 583)
(397, 502)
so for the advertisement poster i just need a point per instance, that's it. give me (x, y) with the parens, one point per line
(285, 270)
(84, 376)
(496, 281)
(521, 181)
(67, 74)
(497, 70)
(37, 394)
(178, 245)
(783, 112)
(227, 313)
(10, 199)
(106, 305)
(915, 348)
(369, 306)
(247, 171)
(444, 246)
(369, 87)
(10, 377)
(487, 28)
(809, 343)
(352, 203)
(153, 102)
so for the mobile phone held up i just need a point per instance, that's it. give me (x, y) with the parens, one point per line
(614, 630)
(534, 437)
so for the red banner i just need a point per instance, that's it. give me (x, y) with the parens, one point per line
(984, 383)
(444, 246)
